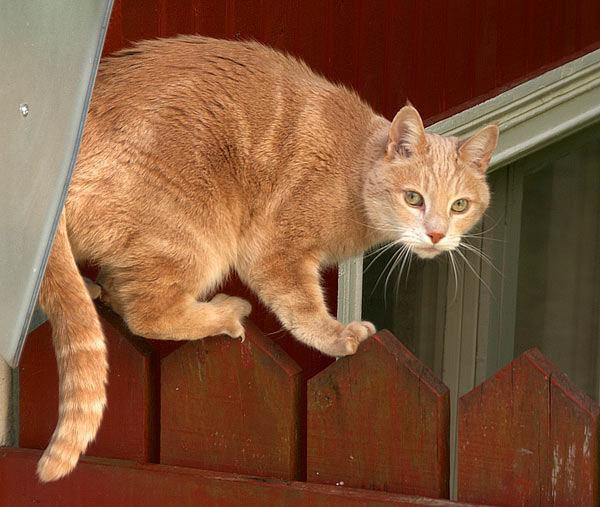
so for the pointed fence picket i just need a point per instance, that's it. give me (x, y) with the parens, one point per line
(230, 423)
(379, 420)
(529, 436)
(232, 407)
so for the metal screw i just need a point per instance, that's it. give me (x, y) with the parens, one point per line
(24, 108)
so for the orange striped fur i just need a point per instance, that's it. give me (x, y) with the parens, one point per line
(80, 356)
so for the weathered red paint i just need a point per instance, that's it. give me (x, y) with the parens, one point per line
(233, 407)
(379, 420)
(529, 436)
(128, 429)
(101, 482)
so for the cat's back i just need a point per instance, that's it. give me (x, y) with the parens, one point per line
(202, 73)
(242, 105)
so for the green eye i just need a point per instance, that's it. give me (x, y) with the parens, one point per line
(413, 198)
(460, 205)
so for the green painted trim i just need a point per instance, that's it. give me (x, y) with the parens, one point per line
(536, 113)
(350, 281)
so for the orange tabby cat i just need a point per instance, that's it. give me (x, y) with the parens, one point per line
(204, 156)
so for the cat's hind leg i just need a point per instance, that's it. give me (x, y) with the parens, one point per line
(166, 308)
(182, 317)
(188, 319)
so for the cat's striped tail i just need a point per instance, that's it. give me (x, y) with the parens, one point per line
(81, 359)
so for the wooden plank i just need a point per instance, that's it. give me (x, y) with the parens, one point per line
(379, 420)
(232, 406)
(128, 429)
(102, 482)
(529, 436)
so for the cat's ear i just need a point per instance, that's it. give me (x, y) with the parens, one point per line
(477, 150)
(407, 135)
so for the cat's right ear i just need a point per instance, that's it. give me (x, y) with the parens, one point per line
(477, 150)
(407, 135)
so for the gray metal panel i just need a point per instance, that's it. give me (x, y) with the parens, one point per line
(49, 52)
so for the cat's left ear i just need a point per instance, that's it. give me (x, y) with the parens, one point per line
(477, 150)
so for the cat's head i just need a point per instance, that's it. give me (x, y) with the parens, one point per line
(426, 191)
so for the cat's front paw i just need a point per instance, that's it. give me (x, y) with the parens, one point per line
(233, 311)
(350, 338)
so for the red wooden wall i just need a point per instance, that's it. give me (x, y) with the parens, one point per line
(442, 54)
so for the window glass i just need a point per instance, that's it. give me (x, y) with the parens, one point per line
(558, 285)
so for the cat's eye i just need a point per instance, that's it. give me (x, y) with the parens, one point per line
(413, 198)
(460, 205)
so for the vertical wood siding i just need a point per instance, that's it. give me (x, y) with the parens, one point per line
(443, 55)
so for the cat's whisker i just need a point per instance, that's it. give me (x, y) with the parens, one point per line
(397, 259)
(455, 273)
(382, 248)
(409, 255)
(394, 261)
(492, 226)
(409, 263)
(383, 271)
(484, 257)
(478, 237)
(382, 251)
(280, 330)
(478, 252)
(474, 271)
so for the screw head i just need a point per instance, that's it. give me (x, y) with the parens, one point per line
(24, 109)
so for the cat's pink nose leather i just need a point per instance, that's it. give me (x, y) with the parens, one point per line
(436, 236)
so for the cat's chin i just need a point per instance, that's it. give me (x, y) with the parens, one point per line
(427, 252)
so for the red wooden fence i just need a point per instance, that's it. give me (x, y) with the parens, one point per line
(218, 422)
(529, 436)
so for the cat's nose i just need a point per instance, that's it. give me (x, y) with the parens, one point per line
(436, 237)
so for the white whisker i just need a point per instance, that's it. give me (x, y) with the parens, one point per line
(484, 257)
(389, 262)
(397, 258)
(381, 251)
(483, 238)
(474, 271)
(455, 272)
(409, 255)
